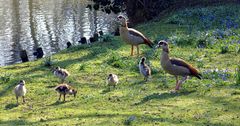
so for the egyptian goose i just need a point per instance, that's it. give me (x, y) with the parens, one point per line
(64, 89)
(112, 80)
(176, 67)
(20, 90)
(144, 68)
(61, 73)
(132, 36)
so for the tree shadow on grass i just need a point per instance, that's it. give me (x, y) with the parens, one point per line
(94, 51)
(10, 106)
(165, 95)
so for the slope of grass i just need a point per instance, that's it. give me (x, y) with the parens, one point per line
(211, 101)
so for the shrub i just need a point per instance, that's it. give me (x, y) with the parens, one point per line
(83, 67)
(116, 61)
(224, 49)
(5, 77)
(238, 75)
(106, 38)
(223, 74)
(181, 39)
(48, 62)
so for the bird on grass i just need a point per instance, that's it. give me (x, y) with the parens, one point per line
(20, 90)
(144, 69)
(62, 74)
(64, 89)
(132, 36)
(112, 80)
(176, 67)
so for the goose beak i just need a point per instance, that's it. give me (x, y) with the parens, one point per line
(157, 46)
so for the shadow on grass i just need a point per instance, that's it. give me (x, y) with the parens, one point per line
(51, 86)
(10, 106)
(105, 91)
(19, 122)
(165, 95)
(9, 87)
(138, 117)
(57, 103)
(95, 50)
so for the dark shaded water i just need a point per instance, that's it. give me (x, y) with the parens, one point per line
(29, 24)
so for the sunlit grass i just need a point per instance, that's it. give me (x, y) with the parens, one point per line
(211, 101)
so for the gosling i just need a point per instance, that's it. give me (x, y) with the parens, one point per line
(112, 80)
(20, 90)
(144, 69)
(64, 89)
(62, 74)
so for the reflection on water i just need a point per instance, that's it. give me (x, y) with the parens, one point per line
(29, 24)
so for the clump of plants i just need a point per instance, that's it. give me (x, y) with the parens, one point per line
(129, 120)
(106, 38)
(6, 77)
(83, 67)
(224, 49)
(208, 18)
(223, 74)
(48, 61)
(238, 75)
(116, 61)
(181, 39)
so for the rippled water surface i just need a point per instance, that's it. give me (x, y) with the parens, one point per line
(29, 24)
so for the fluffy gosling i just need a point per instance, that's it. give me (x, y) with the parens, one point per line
(20, 90)
(144, 69)
(112, 80)
(64, 89)
(62, 74)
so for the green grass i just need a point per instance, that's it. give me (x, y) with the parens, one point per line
(211, 101)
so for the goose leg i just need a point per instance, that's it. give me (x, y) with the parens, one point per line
(137, 50)
(177, 83)
(132, 51)
(183, 80)
(64, 97)
(59, 97)
(23, 99)
(17, 99)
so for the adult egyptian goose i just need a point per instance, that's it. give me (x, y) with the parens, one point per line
(61, 73)
(64, 89)
(144, 68)
(20, 90)
(132, 36)
(112, 80)
(176, 67)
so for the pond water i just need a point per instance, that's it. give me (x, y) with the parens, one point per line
(50, 24)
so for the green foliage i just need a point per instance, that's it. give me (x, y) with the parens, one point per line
(107, 38)
(238, 75)
(83, 67)
(182, 39)
(116, 61)
(224, 49)
(6, 77)
(48, 61)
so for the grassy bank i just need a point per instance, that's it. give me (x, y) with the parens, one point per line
(213, 49)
